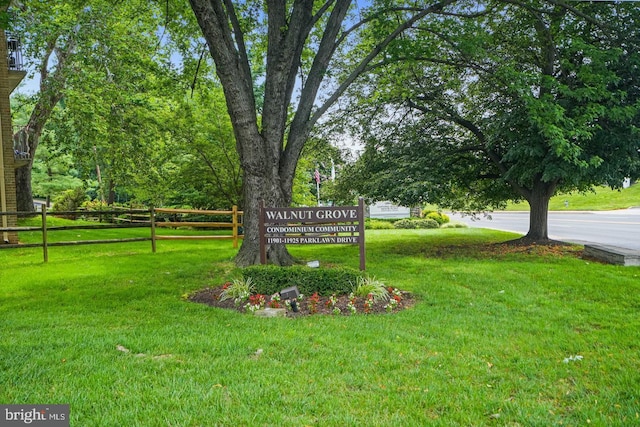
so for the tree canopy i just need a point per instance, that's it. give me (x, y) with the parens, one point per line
(115, 86)
(87, 53)
(515, 102)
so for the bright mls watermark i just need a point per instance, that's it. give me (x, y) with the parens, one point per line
(34, 415)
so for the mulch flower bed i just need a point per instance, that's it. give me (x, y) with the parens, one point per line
(314, 304)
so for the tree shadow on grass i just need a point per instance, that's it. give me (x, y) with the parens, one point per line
(496, 250)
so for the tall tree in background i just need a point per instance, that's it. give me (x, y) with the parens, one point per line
(299, 43)
(522, 101)
(84, 47)
(208, 174)
(54, 169)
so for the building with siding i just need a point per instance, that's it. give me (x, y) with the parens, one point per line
(11, 156)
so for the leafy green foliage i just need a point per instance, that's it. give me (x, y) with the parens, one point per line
(102, 88)
(206, 170)
(516, 103)
(53, 172)
(269, 279)
(128, 125)
(319, 154)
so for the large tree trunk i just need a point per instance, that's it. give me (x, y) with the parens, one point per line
(111, 193)
(24, 196)
(538, 199)
(264, 184)
(31, 135)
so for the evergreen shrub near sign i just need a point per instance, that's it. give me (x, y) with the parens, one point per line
(270, 279)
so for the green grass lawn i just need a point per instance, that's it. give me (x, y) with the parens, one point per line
(602, 198)
(492, 339)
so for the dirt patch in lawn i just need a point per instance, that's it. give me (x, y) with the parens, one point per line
(310, 305)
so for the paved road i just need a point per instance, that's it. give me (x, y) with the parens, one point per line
(617, 228)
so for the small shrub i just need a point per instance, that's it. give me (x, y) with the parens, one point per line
(370, 287)
(439, 217)
(406, 224)
(269, 279)
(428, 223)
(426, 212)
(376, 224)
(95, 205)
(70, 200)
(416, 223)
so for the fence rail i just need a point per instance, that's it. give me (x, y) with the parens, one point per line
(144, 218)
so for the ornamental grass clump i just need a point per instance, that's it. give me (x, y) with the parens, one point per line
(371, 287)
(239, 290)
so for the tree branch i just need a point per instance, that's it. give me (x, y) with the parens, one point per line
(361, 67)
(238, 35)
(582, 15)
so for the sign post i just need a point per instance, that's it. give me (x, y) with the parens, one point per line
(312, 225)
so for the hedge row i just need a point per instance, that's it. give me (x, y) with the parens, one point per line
(269, 279)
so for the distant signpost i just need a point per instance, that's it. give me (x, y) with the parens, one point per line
(312, 225)
(388, 210)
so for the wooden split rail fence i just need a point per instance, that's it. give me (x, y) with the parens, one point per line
(126, 218)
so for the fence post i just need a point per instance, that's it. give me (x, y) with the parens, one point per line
(234, 216)
(152, 218)
(44, 234)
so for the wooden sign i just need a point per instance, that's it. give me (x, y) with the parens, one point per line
(312, 225)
